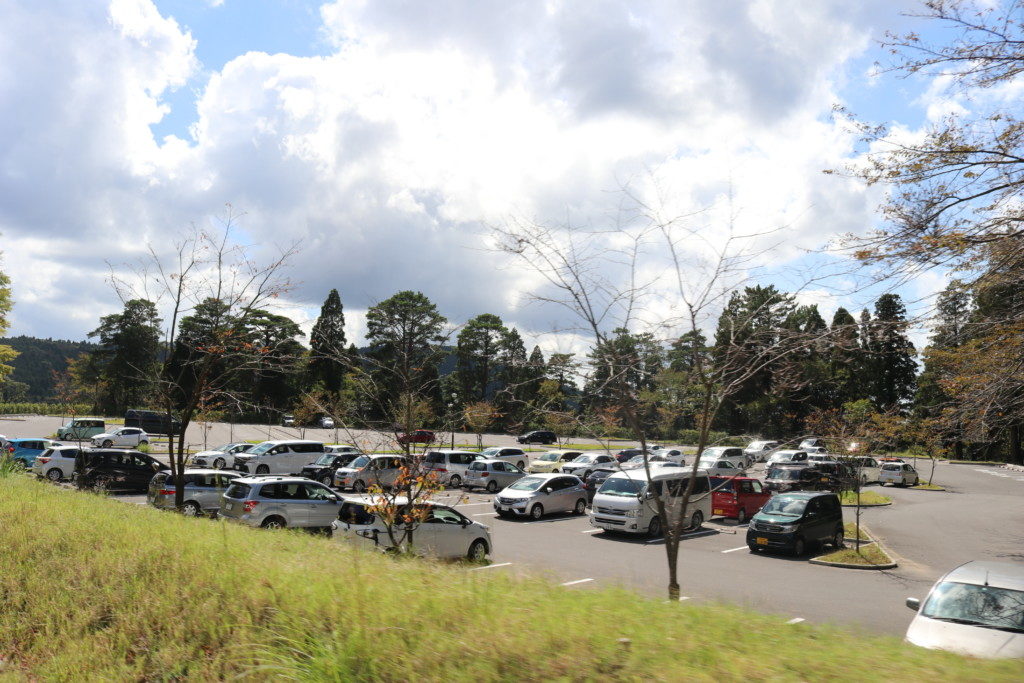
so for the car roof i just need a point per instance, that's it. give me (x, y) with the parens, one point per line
(263, 479)
(278, 442)
(658, 473)
(454, 450)
(369, 499)
(490, 460)
(986, 573)
(805, 495)
(205, 470)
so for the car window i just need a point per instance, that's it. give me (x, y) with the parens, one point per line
(478, 466)
(355, 513)
(444, 516)
(702, 485)
(318, 492)
(755, 487)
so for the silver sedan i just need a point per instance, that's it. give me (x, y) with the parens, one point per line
(492, 475)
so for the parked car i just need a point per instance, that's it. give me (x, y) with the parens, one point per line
(791, 521)
(721, 468)
(637, 461)
(342, 449)
(516, 456)
(417, 436)
(867, 468)
(737, 498)
(278, 457)
(834, 476)
(552, 461)
(369, 470)
(492, 475)
(222, 456)
(976, 610)
(287, 420)
(811, 442)
(203, 490)
(444, 531)
(795, 478)
(586, 463)
(672, 453)
(279, 502)
(596, 478)
(731, 453)
(81, 428)
(538, 436)
(759, 451)
(539, 494)
(787, 457)
(56, 463)
(324, 468)
(115, 470)
(152, 422)
(450, 466)
(815, 458)
(625, 501)
(6, 448)
(628, 454)
(898, 474)
(25, 451)
(325, 422)
(132, 437)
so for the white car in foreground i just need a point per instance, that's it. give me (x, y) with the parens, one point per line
(133, 437)
(221, 457)
(977, 609)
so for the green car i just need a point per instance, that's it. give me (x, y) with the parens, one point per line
(82, 428)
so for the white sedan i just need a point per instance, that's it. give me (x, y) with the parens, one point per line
(125, 436)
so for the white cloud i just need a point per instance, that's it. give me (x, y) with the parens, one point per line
(427, 122)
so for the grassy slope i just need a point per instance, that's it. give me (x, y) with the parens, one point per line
(97, 589)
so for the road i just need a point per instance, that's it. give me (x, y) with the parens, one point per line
(981, 516)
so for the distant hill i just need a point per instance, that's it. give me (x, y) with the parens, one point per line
(39, 358)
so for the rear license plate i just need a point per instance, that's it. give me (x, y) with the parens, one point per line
(719, 512)
(230, 506)
(761, 540)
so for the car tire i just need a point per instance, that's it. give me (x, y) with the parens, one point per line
(838, 540)
(521, 465)
(263, 469)
(537, 511)
(799, 547)
(191, 509)
(108, 443)
(143, 443)
(54, 474)
(753, 548)
(359, 486)
(477, 551)
(219, 464)
(326, 479)
(581, 507)
(455, 481)
(741, 516)
(492, 486)
(273, 523)
(696, 521)
(654, 530)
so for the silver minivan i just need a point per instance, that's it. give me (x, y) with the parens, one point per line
(492, 475)
(279, 502)
(369, 470)
(538, 494)
(203, 490)
(625, 501)
(450, 466)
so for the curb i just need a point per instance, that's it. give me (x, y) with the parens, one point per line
(1015, 468)
(867, 505)
(843, 565)
(942, 490)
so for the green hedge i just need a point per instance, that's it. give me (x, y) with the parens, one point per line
(44, 409)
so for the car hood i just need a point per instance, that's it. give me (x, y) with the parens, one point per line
(209, 454)
(103, 435)
(509, 493)
(347, 470)
(965, 639)
(775, 519)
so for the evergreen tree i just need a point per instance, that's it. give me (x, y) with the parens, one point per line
(129, 342)
(893, 372)
(327, 354)
(478, 347)
(846, 364)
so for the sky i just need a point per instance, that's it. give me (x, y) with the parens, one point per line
(388, 138)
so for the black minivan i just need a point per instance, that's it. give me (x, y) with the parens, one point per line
(790, 521)
(152, 422)
(115, 470)
(538, 436)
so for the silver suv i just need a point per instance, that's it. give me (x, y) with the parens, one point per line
(277, 502)
(203, 490)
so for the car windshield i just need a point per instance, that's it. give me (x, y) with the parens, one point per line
(528, 484)
(893, 466)
(986, 606)
(781, 505)
(784, 475)
(549, 457)
(262, 448)
(585, 459)
(326, 459)
(361, 461)
(491, 451)
(223, 448)
(707, 463)
(621, 486)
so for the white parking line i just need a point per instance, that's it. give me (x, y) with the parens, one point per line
(591, 531)
(794, 621)
(573, 583)
(491, 566)
(742, 547)
(468, 505)
(485, 514)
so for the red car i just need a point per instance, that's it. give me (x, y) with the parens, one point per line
(418, 436)
(738, 498)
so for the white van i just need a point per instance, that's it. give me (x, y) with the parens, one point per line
(278, 457)
(625, 501)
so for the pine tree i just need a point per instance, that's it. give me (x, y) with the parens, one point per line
(129, 344)
(846, 361)
(894, 372)
(327, 354)
(478, 347)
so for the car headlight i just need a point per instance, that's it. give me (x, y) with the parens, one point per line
(633, 513)
(787, 528)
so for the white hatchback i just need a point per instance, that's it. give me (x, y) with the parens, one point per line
(56, 463)
(132, 437)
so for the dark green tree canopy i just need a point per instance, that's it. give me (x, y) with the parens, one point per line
(328, 358)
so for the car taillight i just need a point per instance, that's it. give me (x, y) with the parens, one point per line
(166, 492)
(485, 474)
(440, 469)
(43, 460)
(249, 505)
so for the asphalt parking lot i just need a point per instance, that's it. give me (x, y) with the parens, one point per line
(980, 516)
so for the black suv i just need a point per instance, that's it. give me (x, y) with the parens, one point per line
(790, 521)
(796, 478)
(152, 422)
(115, 470)
(325, 466)
(538, 436)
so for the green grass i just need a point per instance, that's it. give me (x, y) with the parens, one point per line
(866, 498)
(133, 593)
(976, 462)
(929, 487)
(869, 555)
(850, 531)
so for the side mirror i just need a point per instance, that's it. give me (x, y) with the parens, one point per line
(546, 491)
(913, 603)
